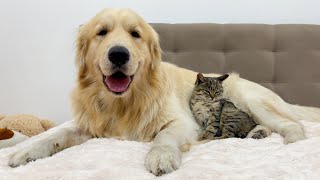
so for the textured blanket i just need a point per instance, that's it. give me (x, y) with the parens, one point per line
(231, 158)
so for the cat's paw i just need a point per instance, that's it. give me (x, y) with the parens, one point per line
(162, 160)
(206, 135)
(259, 132)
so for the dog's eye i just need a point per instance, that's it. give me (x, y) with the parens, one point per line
(102, 32)
(135, 34)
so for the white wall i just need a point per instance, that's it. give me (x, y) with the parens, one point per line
(37, 40)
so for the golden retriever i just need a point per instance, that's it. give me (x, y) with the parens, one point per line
(125, 91)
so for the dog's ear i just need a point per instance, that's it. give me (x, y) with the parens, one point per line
(81, 51)
(154, 47)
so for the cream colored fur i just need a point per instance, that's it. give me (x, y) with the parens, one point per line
(156, 105)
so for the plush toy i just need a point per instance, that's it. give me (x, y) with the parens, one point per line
(17, 128)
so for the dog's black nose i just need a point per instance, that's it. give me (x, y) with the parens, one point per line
(118, 55)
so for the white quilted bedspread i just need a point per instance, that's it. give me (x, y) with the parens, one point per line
(232, 158)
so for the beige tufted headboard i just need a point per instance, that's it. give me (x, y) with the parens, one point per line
(283, 58)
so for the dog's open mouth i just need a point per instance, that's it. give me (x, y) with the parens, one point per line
(117, 82)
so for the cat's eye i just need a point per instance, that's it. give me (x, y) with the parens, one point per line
(102, 32)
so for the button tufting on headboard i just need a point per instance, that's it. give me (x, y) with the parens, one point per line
(283, 58)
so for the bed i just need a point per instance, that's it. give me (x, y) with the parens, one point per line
(283, 58)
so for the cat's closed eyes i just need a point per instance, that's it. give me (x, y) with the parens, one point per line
(218, 117)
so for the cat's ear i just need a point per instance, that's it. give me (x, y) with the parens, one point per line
(223, 77)
(200, 78)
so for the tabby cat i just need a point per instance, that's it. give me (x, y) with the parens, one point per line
(218, 117)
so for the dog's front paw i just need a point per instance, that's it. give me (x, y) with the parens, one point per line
(31, 153)
(291, 138)
(19, 158)
(293, 134)
(163, 159)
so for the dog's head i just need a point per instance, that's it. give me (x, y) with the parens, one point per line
(116, 48)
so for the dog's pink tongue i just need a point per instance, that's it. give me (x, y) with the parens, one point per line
(118, 84)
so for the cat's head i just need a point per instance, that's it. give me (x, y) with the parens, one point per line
(210, 87)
